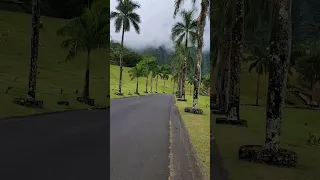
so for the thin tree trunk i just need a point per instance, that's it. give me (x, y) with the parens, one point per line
(184, 71)
(197, 68)
(190, 89)
(235, 63)
(157, 84)
(120, 62)
(147, 77)
(85, 93)
(34, 49)
(137, 87)
(217, 75)
(164, 85)
(227, 76)
(280, 48)
(151, 84)
(258, 89)
(174, 83)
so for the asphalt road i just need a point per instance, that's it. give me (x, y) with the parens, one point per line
(139, 138)
(64, 146)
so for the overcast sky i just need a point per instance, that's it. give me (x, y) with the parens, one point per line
(156, 23)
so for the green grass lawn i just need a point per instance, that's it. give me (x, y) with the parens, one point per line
(297, 124)
(198, 127)
(53, 75)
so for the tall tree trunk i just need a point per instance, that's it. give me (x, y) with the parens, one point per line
(184, 70)
(258, 89)
(197, 68)
(280, 48)
(235, 63)
(147, 85)
(34, 49)
(120, 62)
(190, 89)
(151, 84)
(174, 83)
(180, 81)
(157, 84)
(85, 93)
(227, 75)
(137, 86)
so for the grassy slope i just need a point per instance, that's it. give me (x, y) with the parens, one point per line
(297, 124)
(198, 126)
(14, 57)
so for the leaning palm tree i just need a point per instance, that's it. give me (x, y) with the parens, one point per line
(85, 34)
(34, 49)
(260, 62)
(138, 71)
(185, 32)
(124, 18)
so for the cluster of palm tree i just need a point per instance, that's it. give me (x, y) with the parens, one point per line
(188, 34)
(233, 20)
(149, 66)
(86, 33)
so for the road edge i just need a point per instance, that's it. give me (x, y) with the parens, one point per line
(197, 167)
(51, 112)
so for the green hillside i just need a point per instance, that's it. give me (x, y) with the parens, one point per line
(53, 74)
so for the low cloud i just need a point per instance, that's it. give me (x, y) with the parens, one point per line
(156, 23)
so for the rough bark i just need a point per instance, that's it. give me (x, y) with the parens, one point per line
(34, 49)
(281, 39)
(216, 77)
(87, 77)
(235, 63)
(197, 69)
(120, 62)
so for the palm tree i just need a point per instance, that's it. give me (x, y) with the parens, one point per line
(124, 17)
(261, 64)
(157, 73)
(177, 61)
(280, 48)
(197, 69)
(174, 78)
(34, 49)
(149, 63)
(85, 34)
(185, 32)
(165, 72)
(138, 71)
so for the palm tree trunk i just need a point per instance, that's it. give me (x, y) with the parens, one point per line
(258, 89)
(174, 83)
(147, 85)
(120, 62)
(190, 89)
(217, 75)
(184, 70)
(157, 84)
(85, 93)
(235, 63)
(164, 85)
(151, 84)
(197, 68)
(280, 49)
(180, 82)
(137, 87)
(34, 49)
